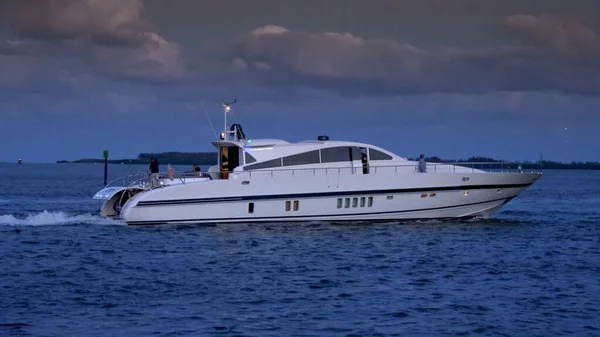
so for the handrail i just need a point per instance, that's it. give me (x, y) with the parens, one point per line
(126, 180)
(135, 177)
(467, 165)
(450, 167)
(140, 179)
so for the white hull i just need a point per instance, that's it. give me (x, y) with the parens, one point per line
(403, 196)
(271, 180)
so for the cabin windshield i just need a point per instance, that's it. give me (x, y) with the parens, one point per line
(337, 154)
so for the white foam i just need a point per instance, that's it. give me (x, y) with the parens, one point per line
(46, 218)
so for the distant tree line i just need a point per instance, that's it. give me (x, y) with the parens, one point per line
(210, 158)
(496, 163)
(180, 158)
(173, 158)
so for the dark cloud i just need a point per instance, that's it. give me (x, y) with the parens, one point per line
(111, 33)
(100, 21)
(564, 35)
(275, 56)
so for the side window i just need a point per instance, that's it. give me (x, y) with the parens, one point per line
(264, 165)
(378, 155)
(335, 154)
(370, 202)
(355, 153)
(339, 203)
(296, 205)
(311, 157)
(347, 203)
(362, 202)
(249, 158)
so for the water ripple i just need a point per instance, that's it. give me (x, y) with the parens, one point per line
(529, 270)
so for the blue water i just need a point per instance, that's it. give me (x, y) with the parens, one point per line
(531, 270)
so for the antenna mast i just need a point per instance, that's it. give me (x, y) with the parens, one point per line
(227, 108)
(208, 117)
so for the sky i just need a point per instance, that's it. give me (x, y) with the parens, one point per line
(512, 79)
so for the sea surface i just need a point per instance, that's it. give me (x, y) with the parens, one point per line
(533, 269)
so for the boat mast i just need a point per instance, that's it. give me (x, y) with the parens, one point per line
(226, 108)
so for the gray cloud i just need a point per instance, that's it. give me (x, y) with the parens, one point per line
(13, 47)
(565, 35)
(276, 56)
(112, 33)
(103, 22)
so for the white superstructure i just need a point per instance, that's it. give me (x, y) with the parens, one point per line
(271, 180)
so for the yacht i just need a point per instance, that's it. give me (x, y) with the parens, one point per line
(272, 180)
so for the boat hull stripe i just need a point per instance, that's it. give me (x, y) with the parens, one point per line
(322, 194)
(300, 217)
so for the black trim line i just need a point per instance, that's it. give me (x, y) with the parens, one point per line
(271, 218)
(323, 194)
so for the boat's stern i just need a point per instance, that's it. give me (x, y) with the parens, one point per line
(118, 196)
(114, 198)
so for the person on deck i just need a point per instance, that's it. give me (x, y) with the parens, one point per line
(153, 172)
(422, 164)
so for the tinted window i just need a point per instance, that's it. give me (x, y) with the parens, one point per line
(355, 153)
(264, 165)
(335, 154)
(311, 157)
(378, 155)
(249, 158)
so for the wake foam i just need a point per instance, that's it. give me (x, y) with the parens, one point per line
(46, 218)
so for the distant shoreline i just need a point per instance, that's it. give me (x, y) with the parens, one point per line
(173, 158)
(127, 161)
(210, 158)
